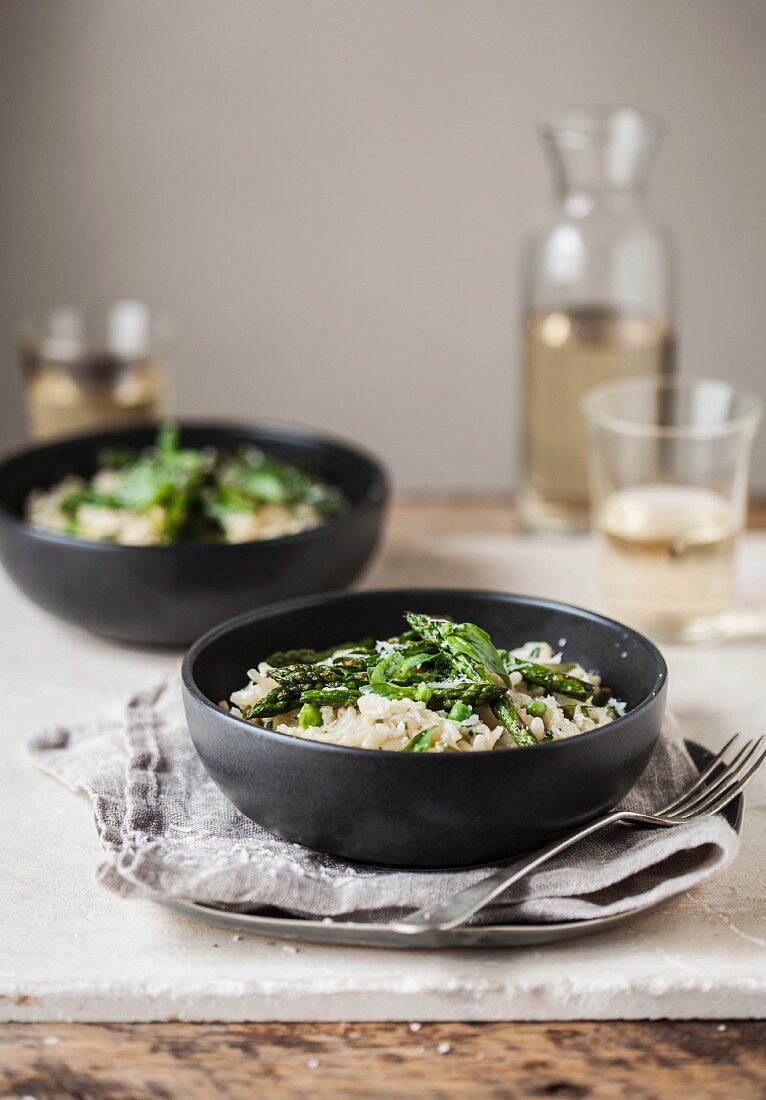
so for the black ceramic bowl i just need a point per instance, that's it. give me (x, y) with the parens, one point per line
(422, 810)
(168, 595)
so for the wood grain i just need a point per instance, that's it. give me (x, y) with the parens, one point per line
(415, 514)
(640, 1061)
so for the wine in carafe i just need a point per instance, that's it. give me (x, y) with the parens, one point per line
(565, 354)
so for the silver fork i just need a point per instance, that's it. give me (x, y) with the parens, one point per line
(728, 775)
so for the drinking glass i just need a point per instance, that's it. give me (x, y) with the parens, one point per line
(91, 366)
(668, 466)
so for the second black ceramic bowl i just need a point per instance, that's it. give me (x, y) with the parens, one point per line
(169, 595)
(429, 809)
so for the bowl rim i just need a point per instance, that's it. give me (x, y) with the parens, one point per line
(197, 647)
(375, 494)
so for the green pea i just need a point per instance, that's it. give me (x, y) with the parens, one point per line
(422, 693)
(536, 708)
(309, 715)
(460, 711)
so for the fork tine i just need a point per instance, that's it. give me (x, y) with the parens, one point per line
(730, 792)
(727, 774)
(726, 783)
(700, 781)
(735, 789)
(722, 774)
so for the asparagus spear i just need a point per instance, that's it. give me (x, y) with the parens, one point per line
(330, 696)
(547, 678)
(278, 701)
(306, 656)
(570, 709)
(463, 657)
(457, 650)
(505, 712)
(300, 677)
(473, 695)
(442, 698)
(472, 652)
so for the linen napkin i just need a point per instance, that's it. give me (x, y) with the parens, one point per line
(168, 832)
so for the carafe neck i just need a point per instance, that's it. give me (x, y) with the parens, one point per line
(602, 152)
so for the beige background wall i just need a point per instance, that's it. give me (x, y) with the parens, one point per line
(329, 195)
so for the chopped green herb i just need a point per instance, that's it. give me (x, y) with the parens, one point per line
(421, 742)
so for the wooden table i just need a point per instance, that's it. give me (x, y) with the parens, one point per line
(703, 1059)
(638, 1061)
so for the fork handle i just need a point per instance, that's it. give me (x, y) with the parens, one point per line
(456, 909)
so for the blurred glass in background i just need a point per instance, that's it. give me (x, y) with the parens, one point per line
(669, 465)
(91, 366)
(598, 298)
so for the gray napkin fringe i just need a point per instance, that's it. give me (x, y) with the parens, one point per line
(168, 832)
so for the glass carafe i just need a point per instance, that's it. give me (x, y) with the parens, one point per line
(598, 300)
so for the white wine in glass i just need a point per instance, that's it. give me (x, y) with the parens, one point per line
(668, 556)
(668, 466)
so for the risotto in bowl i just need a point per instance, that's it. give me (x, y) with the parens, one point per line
(454, 727)
(153, 536)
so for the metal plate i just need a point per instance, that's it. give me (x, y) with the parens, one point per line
(352, 934)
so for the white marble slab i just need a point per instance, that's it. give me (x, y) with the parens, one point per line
(69, 950)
